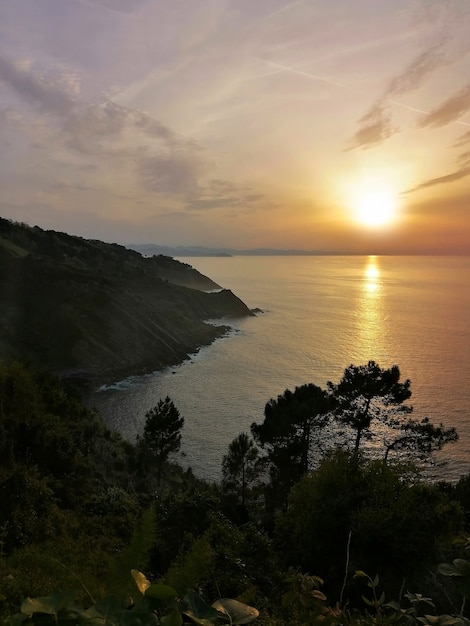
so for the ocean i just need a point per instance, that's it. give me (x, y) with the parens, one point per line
(319, 315)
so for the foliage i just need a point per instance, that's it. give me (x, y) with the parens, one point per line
(397, 523)
(367, 393)
(158, 604)
(162, 433)
(293, 423)
(241, 469)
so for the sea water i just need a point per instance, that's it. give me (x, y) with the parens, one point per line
(319, 315)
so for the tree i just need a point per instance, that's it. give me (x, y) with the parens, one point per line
(369, 515)
(420, 439)
(162, 432)
(241, 467)
(292, 424)
(367, 393)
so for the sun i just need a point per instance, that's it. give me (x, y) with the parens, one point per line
(374, 208)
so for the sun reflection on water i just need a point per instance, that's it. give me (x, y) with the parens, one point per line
(371, 276)
(370, 308)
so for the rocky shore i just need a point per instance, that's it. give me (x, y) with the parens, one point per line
(95, 311)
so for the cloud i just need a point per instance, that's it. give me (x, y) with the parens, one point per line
(415, 73)
(449, 111)
(106, 132)
(441, 180)
(464, 159)
(35, 89)
(464, 139)
(170, 174)
(223, 194)
(375, 127)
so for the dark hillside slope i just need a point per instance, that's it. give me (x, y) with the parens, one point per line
(70, 304)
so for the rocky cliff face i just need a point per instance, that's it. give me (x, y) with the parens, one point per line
(75, 305)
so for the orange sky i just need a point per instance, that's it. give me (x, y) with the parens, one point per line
(238, 123)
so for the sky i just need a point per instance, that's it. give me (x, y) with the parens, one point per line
(330, 125)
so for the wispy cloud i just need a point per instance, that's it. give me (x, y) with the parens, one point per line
(415, 73)
(449, 111)
(35, 88)
(105, 131)
(375, 126)
(222, 194)
(464, 139)
(441, 180)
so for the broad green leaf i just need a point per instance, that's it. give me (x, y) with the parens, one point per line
(197, 607)
(462, 566)
(441, 620)
(448, 569)
(238, 612)
(159, 591)
(50, 605)
(393, 604)
(140, 580)
(319, 595)
(360, 574)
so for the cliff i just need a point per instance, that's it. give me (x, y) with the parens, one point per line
(72, 305)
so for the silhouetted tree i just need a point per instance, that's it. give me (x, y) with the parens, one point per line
(162, 432)
(420, 439)
(241, 467)
(367, 393)
(292, 423)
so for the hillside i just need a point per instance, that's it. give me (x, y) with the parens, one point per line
(83, 307)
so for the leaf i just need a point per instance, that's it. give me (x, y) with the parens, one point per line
(462, 566)
(448, 569)
(140, 580)
(198, 609)
(238, 612)
(360, 574)
(50, 605)
(319, 595)
(162, 592)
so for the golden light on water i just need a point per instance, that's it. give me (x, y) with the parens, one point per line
(371, 282)
(369, 312)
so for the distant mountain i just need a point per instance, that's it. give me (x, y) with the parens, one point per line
(83, 307)
(188, 251)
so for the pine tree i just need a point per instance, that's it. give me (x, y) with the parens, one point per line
(162, 433)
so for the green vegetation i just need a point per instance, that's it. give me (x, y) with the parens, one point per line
(302, 512)
(87, 309)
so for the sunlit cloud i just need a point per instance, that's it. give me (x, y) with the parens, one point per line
(464, 139)
(415, 73)
(450, 110)
(374, 127)
(441, 180)
(228, 120)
